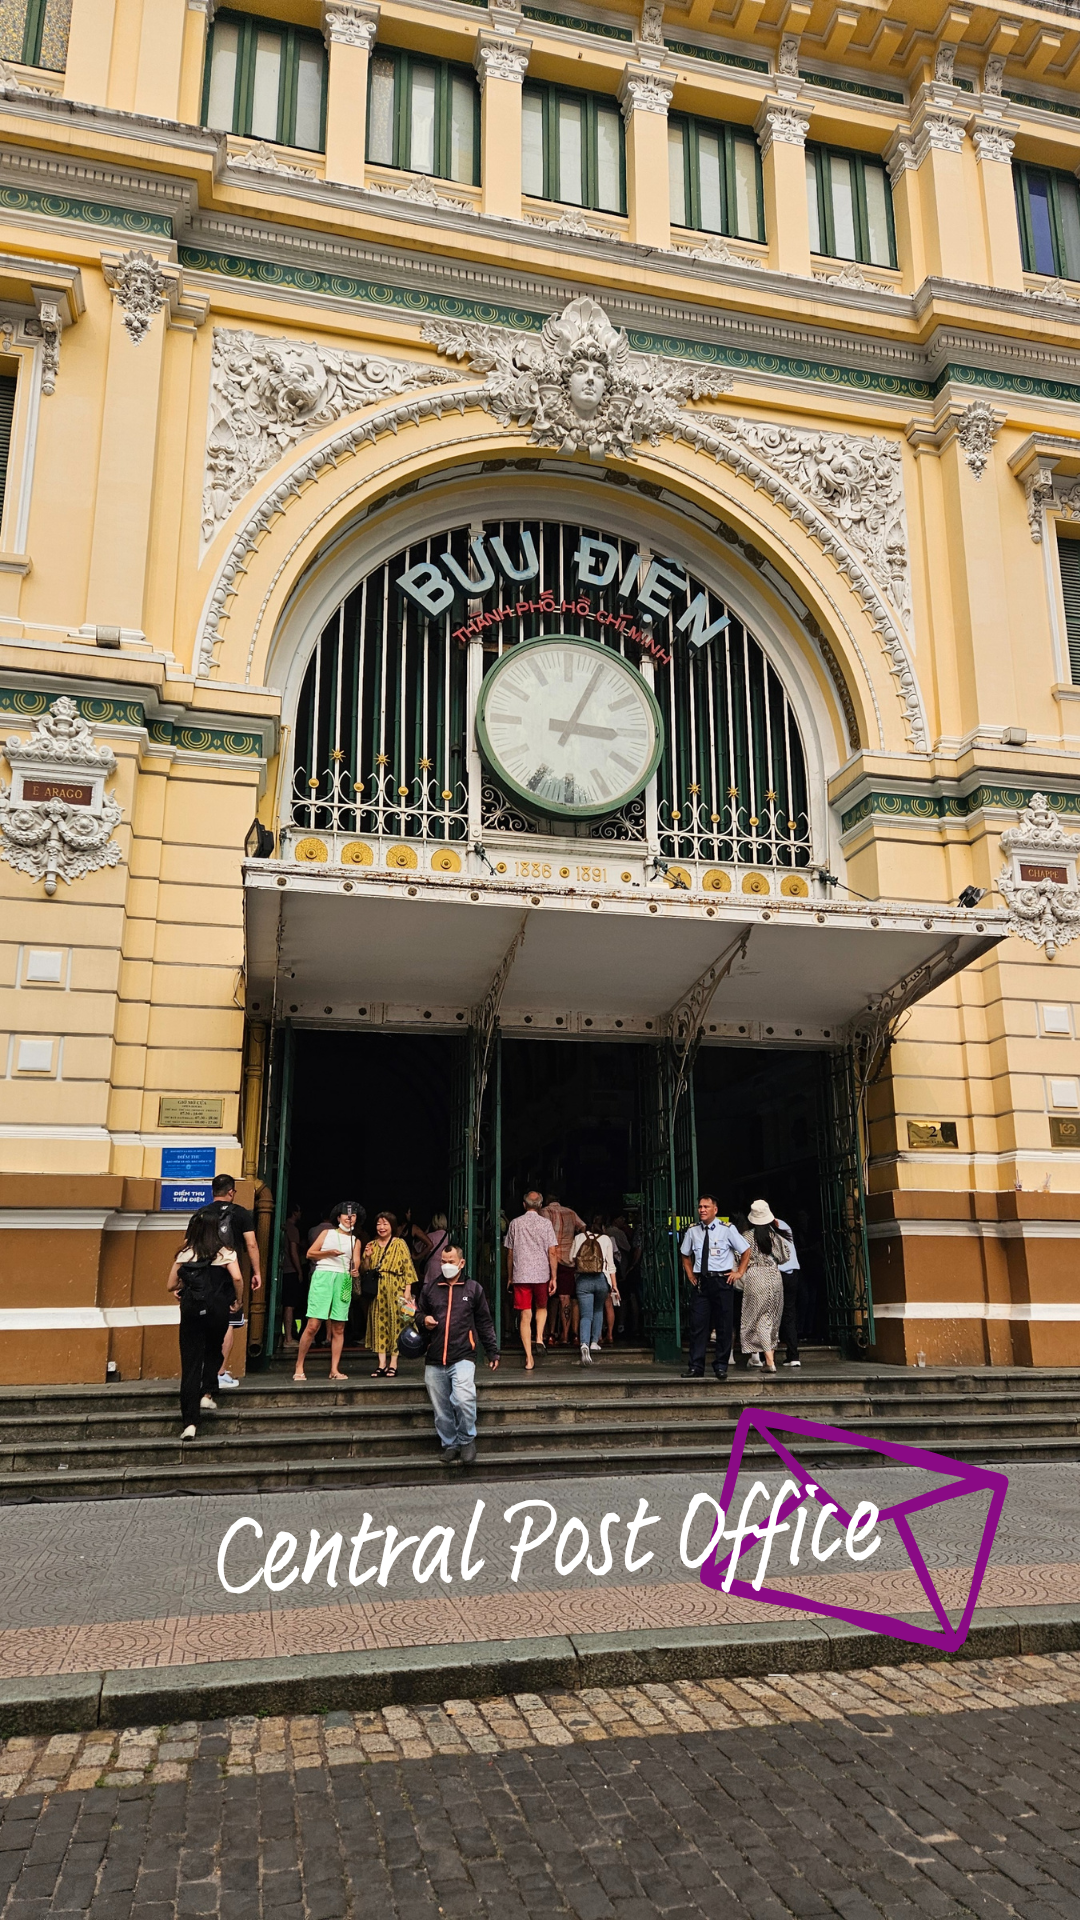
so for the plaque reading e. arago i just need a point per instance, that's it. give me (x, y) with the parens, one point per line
(931, 1133)
(188, 1110)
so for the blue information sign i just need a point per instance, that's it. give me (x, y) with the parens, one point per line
(188, 1163)
(184, 1196)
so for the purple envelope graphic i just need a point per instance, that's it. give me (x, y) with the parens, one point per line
(965, 1479)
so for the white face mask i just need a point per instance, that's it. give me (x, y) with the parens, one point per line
(450, 1269)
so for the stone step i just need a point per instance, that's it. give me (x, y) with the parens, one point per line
(532, 1444)
(194, 1473)
(567, 1405)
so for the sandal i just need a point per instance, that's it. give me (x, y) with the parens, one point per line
(391, 1373)
(380, 1373)
(300, 1379)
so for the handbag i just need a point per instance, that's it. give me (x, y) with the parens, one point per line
(369, 1282)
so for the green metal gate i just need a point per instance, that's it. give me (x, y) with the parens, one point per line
(668, 1156)
(475, 1203)
(847, 1254)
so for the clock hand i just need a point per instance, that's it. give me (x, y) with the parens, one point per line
(582, 726)
(568, 725)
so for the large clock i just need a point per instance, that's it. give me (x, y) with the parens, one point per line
(569, 726)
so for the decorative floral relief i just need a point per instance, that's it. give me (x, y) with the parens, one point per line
(976, 430)
(1044, 911)
(572, 222)
(577, 383)
(423, 193)
(261, 158)
(140, 288)
(265, 395)
(856, 480)
(852, 275)
(716, 248)
(56, 838)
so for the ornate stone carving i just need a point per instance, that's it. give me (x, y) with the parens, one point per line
(788, 59)
(267, 394)
(11, 87)
(900, 157)
(976, 430)
(644, 93)
(1053, 290)
(423, 193)
(348, 26)
(992, 144)
(946, 135)
(944, 60)
(786, 123)
(573, 221)
(1045, 911)
(1039, 489)
(47, 328)
(993, 73)
(57, 838)
(651, 31)
(852, 275)
(139, 287)
(501, 60)
(576, 383)
(855, 480)
(261, 158)
(715, 247)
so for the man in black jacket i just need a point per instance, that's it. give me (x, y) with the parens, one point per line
(454, 1311)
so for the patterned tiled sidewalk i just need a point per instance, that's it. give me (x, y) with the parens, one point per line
(865, 1700)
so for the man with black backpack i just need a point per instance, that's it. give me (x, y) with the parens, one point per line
(206, 1279)
(236, 1229)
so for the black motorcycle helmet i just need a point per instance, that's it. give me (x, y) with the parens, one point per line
(411, 1343)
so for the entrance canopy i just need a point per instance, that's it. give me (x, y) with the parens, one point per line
(423, 950)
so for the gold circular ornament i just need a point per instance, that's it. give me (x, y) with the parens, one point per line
(401, 857)
(755, 883)
(310, 849)
(678, 877)
(716, 881)
(356, 854)
(564, 873)
(626, 878)
(500, 866)
(445, 861)
(795, 888)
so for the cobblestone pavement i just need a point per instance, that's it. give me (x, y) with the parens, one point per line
(932, 1790)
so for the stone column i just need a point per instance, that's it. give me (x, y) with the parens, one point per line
(937, 130)
(502, 61)
(645, 97)
(198, 17)
(161, 59)
(1001, 233)
(907, 210)
(89, 51)
(781, 128)
(350, 32)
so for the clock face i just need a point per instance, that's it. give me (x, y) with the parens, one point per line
(569, 726)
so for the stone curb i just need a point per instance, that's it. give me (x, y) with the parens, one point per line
(414, 1676)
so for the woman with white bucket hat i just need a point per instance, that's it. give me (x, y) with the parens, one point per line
(762, 1288)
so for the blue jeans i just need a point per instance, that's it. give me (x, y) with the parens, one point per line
(592, 1291)
(452, 1392)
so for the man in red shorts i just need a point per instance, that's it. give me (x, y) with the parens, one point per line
(566, 1224)
(533, 1252)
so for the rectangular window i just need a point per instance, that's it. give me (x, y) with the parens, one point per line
(715, 176)
(34, 33)
(266, 80)
(7, 415)
(1048, 210)
(850, 207)
(1069, 568)
(572, 148)
(423, 116)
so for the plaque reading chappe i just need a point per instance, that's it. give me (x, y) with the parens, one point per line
(189, 1110)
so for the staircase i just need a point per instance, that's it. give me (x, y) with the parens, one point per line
(88, 1443)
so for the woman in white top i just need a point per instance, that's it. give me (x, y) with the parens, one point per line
(593, 1259)
(336, 1253)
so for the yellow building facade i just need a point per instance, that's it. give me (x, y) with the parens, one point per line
(385, 389)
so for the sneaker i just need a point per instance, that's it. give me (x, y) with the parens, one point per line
(188, 1433)
(449, 1455)
(793, 1363)
(586, 1356)
(208, 1405)
(755, 1360)
(227, 1380)
(595, 1348)
(468, 1453)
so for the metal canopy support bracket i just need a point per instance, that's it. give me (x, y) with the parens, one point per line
(470, 1085)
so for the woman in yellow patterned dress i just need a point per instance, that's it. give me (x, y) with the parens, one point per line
(389, 1257)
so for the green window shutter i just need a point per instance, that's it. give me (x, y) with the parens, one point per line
(1069, 564)
(7, 414)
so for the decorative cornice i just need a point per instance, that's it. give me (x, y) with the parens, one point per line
(935, 807)
(993, 141)
(348, 25)
(30, 703)
(499, 58)
(784, 121)
(641, 91)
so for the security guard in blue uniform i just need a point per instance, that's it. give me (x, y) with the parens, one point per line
(714, 1256)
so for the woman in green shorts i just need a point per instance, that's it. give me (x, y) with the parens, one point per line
(336, 1254)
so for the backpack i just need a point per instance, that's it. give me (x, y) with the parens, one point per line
(590, 1256)
(201, 1284)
